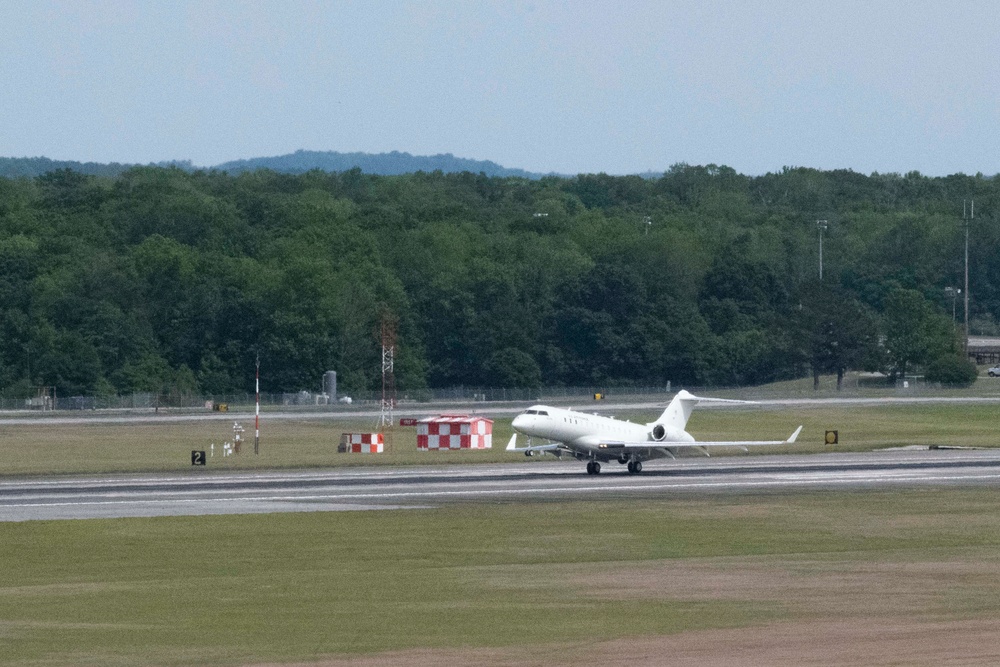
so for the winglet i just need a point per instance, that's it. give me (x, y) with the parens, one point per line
(512, 445)
(794, 435)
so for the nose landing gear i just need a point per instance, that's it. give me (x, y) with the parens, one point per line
(593, 468)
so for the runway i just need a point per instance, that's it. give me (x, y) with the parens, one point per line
(385, 488)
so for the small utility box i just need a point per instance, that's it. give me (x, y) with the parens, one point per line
(361, 443)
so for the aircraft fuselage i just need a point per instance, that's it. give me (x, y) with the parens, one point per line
(593, 436)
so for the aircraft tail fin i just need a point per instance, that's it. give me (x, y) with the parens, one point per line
(679, 411)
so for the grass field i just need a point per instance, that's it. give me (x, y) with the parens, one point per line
(235, 590)
(42, 448)
(542, 578)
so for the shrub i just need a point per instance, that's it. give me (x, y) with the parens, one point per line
(952, 370)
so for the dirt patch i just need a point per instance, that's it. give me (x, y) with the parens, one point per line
(864, 641)
(961, 584)
(821, 587)
(841, 610)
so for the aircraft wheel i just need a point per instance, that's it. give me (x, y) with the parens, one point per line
(637, 467)
(590, 467)
(631, 466)
(597, 467)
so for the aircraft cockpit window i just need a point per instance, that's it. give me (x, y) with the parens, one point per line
(531, 412)
(543, 412)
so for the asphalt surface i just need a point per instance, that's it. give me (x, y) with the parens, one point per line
(383, 488)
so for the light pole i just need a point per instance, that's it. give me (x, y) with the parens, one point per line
(967, 218)
(952, 293)
(821, 225)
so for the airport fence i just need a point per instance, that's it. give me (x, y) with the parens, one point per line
(143, 401)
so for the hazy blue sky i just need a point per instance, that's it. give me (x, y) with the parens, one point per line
(544, 85)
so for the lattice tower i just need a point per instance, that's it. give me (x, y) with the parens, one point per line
(388, 335)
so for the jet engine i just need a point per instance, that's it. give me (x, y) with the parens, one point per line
(659, 432)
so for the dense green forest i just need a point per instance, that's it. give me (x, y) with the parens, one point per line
(163, 279)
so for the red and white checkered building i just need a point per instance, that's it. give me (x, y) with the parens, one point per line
(362, 443)
(454, 432)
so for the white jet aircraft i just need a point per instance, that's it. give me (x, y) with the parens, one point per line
(597, 439)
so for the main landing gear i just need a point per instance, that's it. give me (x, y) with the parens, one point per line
(594, 468)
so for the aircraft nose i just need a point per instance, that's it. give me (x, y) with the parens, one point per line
(519, 421)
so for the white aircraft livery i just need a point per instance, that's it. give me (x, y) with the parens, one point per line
(597, 439)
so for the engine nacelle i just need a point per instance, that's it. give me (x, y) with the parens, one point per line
(659, 432)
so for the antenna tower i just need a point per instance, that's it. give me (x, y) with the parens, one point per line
(388, 335)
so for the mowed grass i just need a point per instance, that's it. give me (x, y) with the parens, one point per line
(860, 427)
(95, 447)
(236, 590)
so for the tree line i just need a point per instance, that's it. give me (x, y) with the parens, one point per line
(167, 280)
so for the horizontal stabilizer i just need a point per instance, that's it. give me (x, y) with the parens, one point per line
(706, 399)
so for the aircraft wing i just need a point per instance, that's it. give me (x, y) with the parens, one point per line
(657, 444)
(552, 447)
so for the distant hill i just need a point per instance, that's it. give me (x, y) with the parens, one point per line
(385, 164)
